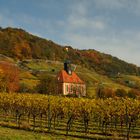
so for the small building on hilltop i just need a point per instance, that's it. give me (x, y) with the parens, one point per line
(69, 83)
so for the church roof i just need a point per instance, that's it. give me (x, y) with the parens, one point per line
(64, 77)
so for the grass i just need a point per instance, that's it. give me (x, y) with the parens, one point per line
(15, 134)
(31, 84)
(25, 74)
(18, 134)
(133, 78)
(43, 65)
(93, 79)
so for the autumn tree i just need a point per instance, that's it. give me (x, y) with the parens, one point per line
(22, 50)
(103, 92)
(9, 79)
(133, 93)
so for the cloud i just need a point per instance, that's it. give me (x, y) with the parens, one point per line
(83, 30)
(80, 20)
(116, 5)
(76, 22)
(111, 4)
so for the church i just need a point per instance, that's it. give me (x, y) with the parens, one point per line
(69, 83)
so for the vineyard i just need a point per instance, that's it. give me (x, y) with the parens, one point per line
(80, 117)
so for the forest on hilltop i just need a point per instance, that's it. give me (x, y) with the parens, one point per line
(20, 45)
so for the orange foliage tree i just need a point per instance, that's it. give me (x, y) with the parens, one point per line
(9, 79)
(22, 50)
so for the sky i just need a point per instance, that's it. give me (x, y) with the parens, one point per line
(109, 26)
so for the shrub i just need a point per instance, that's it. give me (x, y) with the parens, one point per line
(120, 93)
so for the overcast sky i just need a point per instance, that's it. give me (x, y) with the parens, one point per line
(109, 26)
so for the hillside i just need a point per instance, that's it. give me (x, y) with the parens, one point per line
(35, 56)
(20, 45)
(34, 68)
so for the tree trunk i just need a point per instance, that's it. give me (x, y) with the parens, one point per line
(68, 125)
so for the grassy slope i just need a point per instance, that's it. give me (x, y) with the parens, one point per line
(92, 78)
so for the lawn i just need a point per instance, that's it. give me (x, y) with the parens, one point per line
(15, 134)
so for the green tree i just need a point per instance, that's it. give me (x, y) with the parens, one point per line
(120, 93)
(46, 85)
(133, 93)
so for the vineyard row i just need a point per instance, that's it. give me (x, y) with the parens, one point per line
(119, 115)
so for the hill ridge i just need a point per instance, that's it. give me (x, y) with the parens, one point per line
(20, 45)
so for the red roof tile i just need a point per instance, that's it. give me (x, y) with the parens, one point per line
(64, 77)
